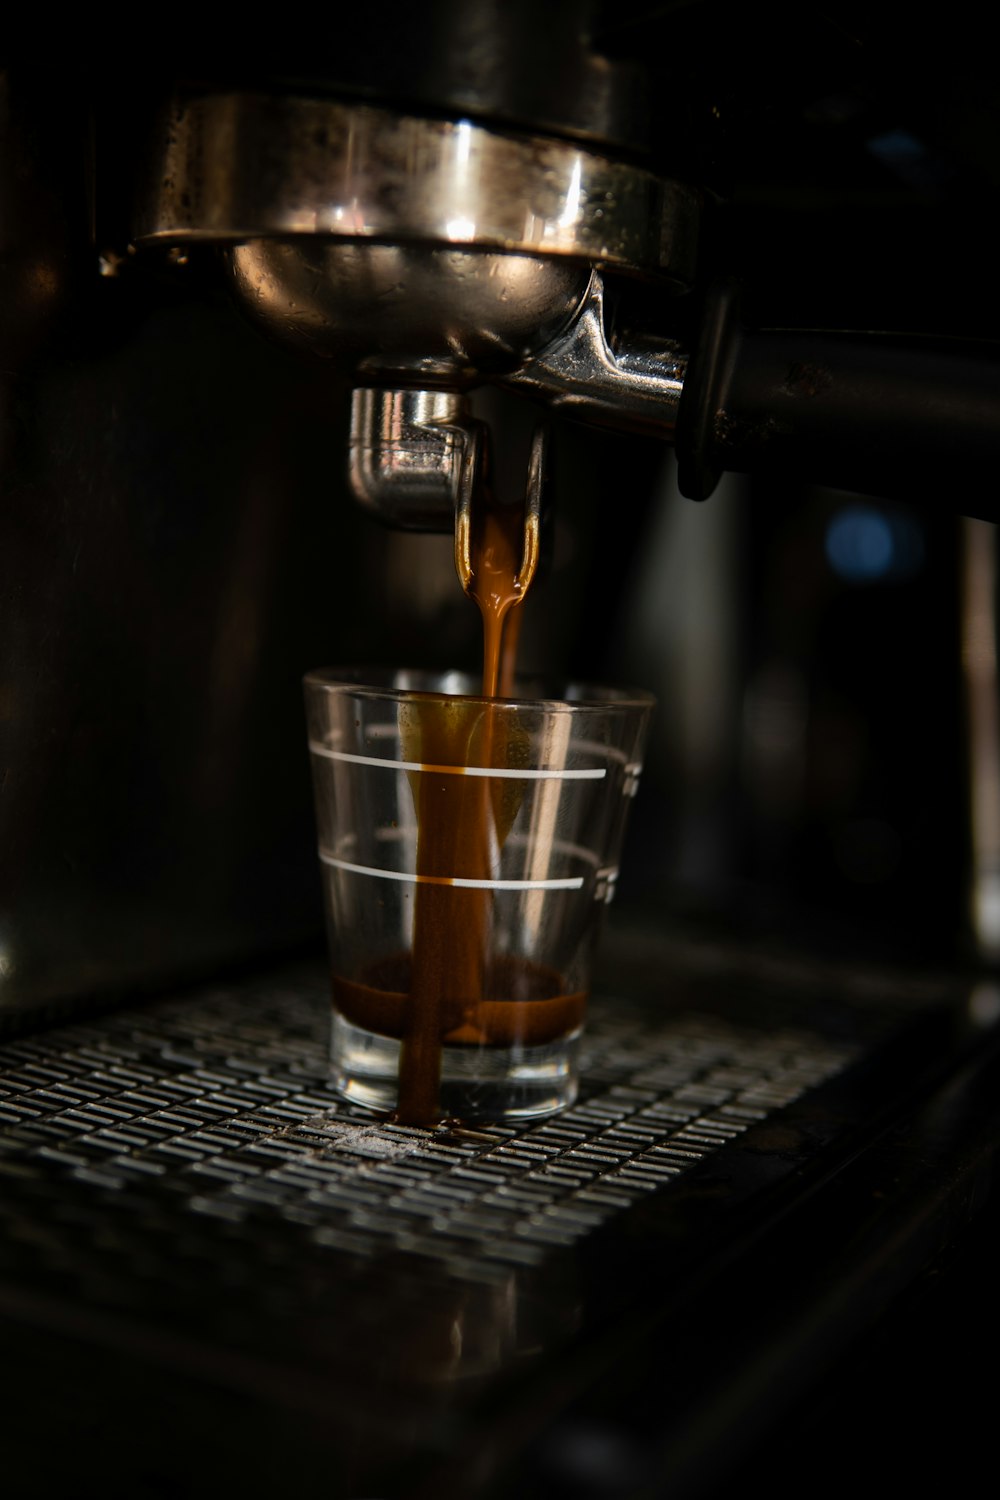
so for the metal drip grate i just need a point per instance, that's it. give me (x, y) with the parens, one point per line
(193, 1224)
(228, 1279)
(129, 1143)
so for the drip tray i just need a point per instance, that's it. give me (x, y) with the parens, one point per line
(207, 1258)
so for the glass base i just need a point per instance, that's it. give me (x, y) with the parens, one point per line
(477, 1083)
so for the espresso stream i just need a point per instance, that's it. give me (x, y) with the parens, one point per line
(447, 991)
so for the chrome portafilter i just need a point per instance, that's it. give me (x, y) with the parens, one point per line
(423, 257)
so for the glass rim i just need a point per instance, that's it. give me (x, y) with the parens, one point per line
(385, 683)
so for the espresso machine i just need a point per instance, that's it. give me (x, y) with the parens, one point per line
(268, 312)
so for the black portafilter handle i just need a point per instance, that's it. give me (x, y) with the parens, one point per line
(894, 415)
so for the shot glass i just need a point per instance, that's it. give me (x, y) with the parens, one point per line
(468, 849)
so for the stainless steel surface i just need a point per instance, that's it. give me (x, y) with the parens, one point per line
(426, 252)
(405, 312)
(634, 385)
(414, 460)
(411, 454)
(233, 167)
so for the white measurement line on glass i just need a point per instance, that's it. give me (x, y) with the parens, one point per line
(566, 883)
(406, 833)
(512, 773)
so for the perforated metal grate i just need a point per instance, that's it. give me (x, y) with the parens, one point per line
(229, 1280)
(130, 1141)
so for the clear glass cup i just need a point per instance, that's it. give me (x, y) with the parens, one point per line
(468, 848)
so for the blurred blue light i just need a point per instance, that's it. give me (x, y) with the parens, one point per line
(859, 545)
(864, 545)
(909, 159)
(895, 147)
